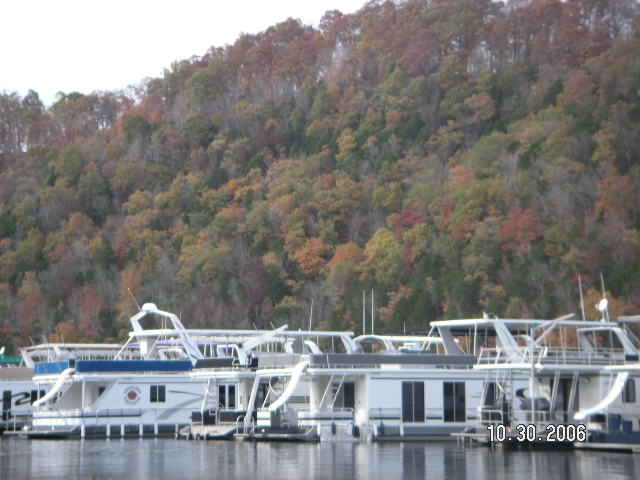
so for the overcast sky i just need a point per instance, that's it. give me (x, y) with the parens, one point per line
(82, 45)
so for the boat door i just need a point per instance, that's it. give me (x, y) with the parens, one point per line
(566, 396)
(227, 397)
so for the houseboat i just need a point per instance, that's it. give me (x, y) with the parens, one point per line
(404, 388)
(548, 383)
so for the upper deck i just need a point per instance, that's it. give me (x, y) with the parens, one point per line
(525, 343)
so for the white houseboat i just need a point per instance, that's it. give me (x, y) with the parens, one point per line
(141, 388)
(545, 377)
(411, 388)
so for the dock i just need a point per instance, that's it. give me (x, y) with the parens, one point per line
(471, 438)
(609, 447)
(207, 432)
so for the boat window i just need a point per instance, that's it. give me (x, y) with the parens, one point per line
(629, 392)
(231, 397)
(157, 394)
(454, 401)
(6, 405)
(413, 401)
(36, 394)
(222, 396)
(227, 397)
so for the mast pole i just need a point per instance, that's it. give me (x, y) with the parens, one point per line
(372, 315)
(581, 298)
(364, 325)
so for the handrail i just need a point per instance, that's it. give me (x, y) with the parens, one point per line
(108, 417)
(562, 356)
(490, 411)
(17, 419)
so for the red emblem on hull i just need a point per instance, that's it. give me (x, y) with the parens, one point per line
(132, 395)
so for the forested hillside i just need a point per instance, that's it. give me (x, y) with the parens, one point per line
(452, 156)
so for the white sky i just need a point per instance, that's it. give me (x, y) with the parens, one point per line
(84, 45)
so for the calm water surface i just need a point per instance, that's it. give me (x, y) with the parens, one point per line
(161, 459)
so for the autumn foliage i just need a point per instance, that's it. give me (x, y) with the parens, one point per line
(453, 156)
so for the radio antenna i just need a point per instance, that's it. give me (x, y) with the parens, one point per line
(134, 299)
(581, 298)
(603, 306)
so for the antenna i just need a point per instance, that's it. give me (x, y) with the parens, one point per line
(311, 314)
(604, 303)
(364, 325)
(372, 311)
(602, 306)
(134, 299)
(604, 294)
(581, 298)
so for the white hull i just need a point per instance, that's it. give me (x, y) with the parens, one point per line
(139, 405)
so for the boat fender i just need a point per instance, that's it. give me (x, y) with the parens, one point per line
(333, 428)
(381, 429)
(356, 431)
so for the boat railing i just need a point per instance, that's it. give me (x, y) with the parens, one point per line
(632, 336)
(278, 360)
(84, 355)
(16, 420)
(553, 355)
(511, 417)
(113, 422)
(597, 356)
(105, 416)
(245, 428)
(498, 355)
(388, 365)
(382, 414)
(327, 414)
(491, 416)
(431, 414)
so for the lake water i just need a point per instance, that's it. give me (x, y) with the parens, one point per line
(161, 459)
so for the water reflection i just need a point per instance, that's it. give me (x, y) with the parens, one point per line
(168, 459)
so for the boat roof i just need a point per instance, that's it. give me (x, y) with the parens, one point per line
(628, 367)
(398, 338)
(72, 346)
(519, 324)
(629, 319)
(239, 334)
(10, 360)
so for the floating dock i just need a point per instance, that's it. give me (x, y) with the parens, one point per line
(207, 432)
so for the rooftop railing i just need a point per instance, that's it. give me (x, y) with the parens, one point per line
(553, 356)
